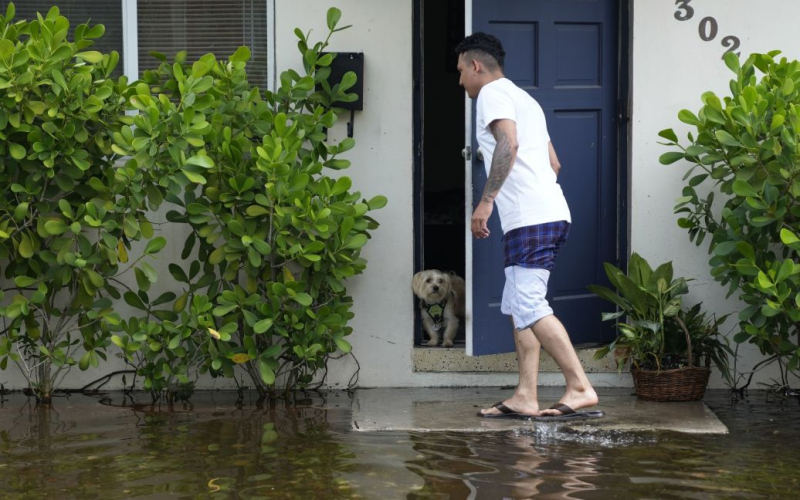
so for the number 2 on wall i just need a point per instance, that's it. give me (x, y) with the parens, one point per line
(708, 27)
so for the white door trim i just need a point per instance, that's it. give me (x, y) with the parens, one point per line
(130, 40)
(468, 192)
(272, 71)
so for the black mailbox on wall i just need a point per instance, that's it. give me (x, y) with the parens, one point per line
(342, 63)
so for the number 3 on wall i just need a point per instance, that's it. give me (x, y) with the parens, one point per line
(686, 13)
(708, 27)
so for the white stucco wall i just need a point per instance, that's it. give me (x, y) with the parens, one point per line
(672, 66)
(383, 163)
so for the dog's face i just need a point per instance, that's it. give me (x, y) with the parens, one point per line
(432, 286)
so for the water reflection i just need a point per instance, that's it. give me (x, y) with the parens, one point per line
(217, 449)
(501, 466)
(80, 448)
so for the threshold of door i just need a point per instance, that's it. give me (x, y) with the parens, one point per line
(455, 359)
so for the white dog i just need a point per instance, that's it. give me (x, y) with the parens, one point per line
(441, 302)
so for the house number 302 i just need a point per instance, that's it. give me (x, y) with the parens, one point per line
(708, 27)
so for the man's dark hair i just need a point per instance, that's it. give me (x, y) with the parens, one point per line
(484, 47)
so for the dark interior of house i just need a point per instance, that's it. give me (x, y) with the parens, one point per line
(442, 124)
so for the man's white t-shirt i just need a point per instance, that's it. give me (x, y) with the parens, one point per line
(531, 194)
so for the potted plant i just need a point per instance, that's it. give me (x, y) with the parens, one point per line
(655, 336)
(708, 344)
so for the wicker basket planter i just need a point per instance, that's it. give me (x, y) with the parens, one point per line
(681, 384)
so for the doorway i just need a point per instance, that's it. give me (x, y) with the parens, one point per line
(439, 139)
(571, 56)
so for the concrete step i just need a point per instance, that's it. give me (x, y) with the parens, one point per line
(454, 410)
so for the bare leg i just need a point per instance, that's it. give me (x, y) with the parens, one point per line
(553, 336)
(525, 398)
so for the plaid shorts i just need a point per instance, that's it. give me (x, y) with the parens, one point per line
(535, 246)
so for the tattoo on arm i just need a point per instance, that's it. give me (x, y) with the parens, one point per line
(502, 161)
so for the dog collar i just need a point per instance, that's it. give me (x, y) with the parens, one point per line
(436, 312)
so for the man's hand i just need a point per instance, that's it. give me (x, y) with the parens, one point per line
(480, 219)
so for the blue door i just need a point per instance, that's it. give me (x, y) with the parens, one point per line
(564, 53)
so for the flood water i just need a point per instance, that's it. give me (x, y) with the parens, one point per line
(94, 447)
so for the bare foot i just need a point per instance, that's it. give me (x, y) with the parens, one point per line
(575, 400)
(517, 404)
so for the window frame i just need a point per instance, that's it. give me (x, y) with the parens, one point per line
(130, 41)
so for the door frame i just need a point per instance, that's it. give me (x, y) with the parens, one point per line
(468, 202)
(418, 120)
(624, 105)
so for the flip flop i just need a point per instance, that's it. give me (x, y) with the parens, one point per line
(506, 413)
(568, 414)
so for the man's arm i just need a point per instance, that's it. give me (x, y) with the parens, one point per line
(554, 163)
(505, 154)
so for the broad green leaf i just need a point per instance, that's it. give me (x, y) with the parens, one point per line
(726, 138)
(91, 56)
(263, 325)
(21, 211)
(671, 157)
(267, 375)
(25, 281)
(609, 295)
(788, 86)
(341, 186)
(133, 300)
(343, 345)
(84, 362)
(743, 188)
(732, 61)
(155, 245)
(377, 202)
(668, 134)
(242, 54)
(200, 161)
(17, 152)
(55, 227)
(257, 211)
(26, 246)
(789, 238)
(687, 116)
(333, 17)
(784, 271)
(216, 256)
(348, 80)
(725, 248)
(303, 299)
(193, 177)
(180, 304)
(356, 241)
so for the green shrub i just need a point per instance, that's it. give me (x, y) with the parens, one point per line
(68, 213)
(273, 236)
(746, 150)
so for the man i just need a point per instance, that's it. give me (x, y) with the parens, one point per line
(522, 167)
